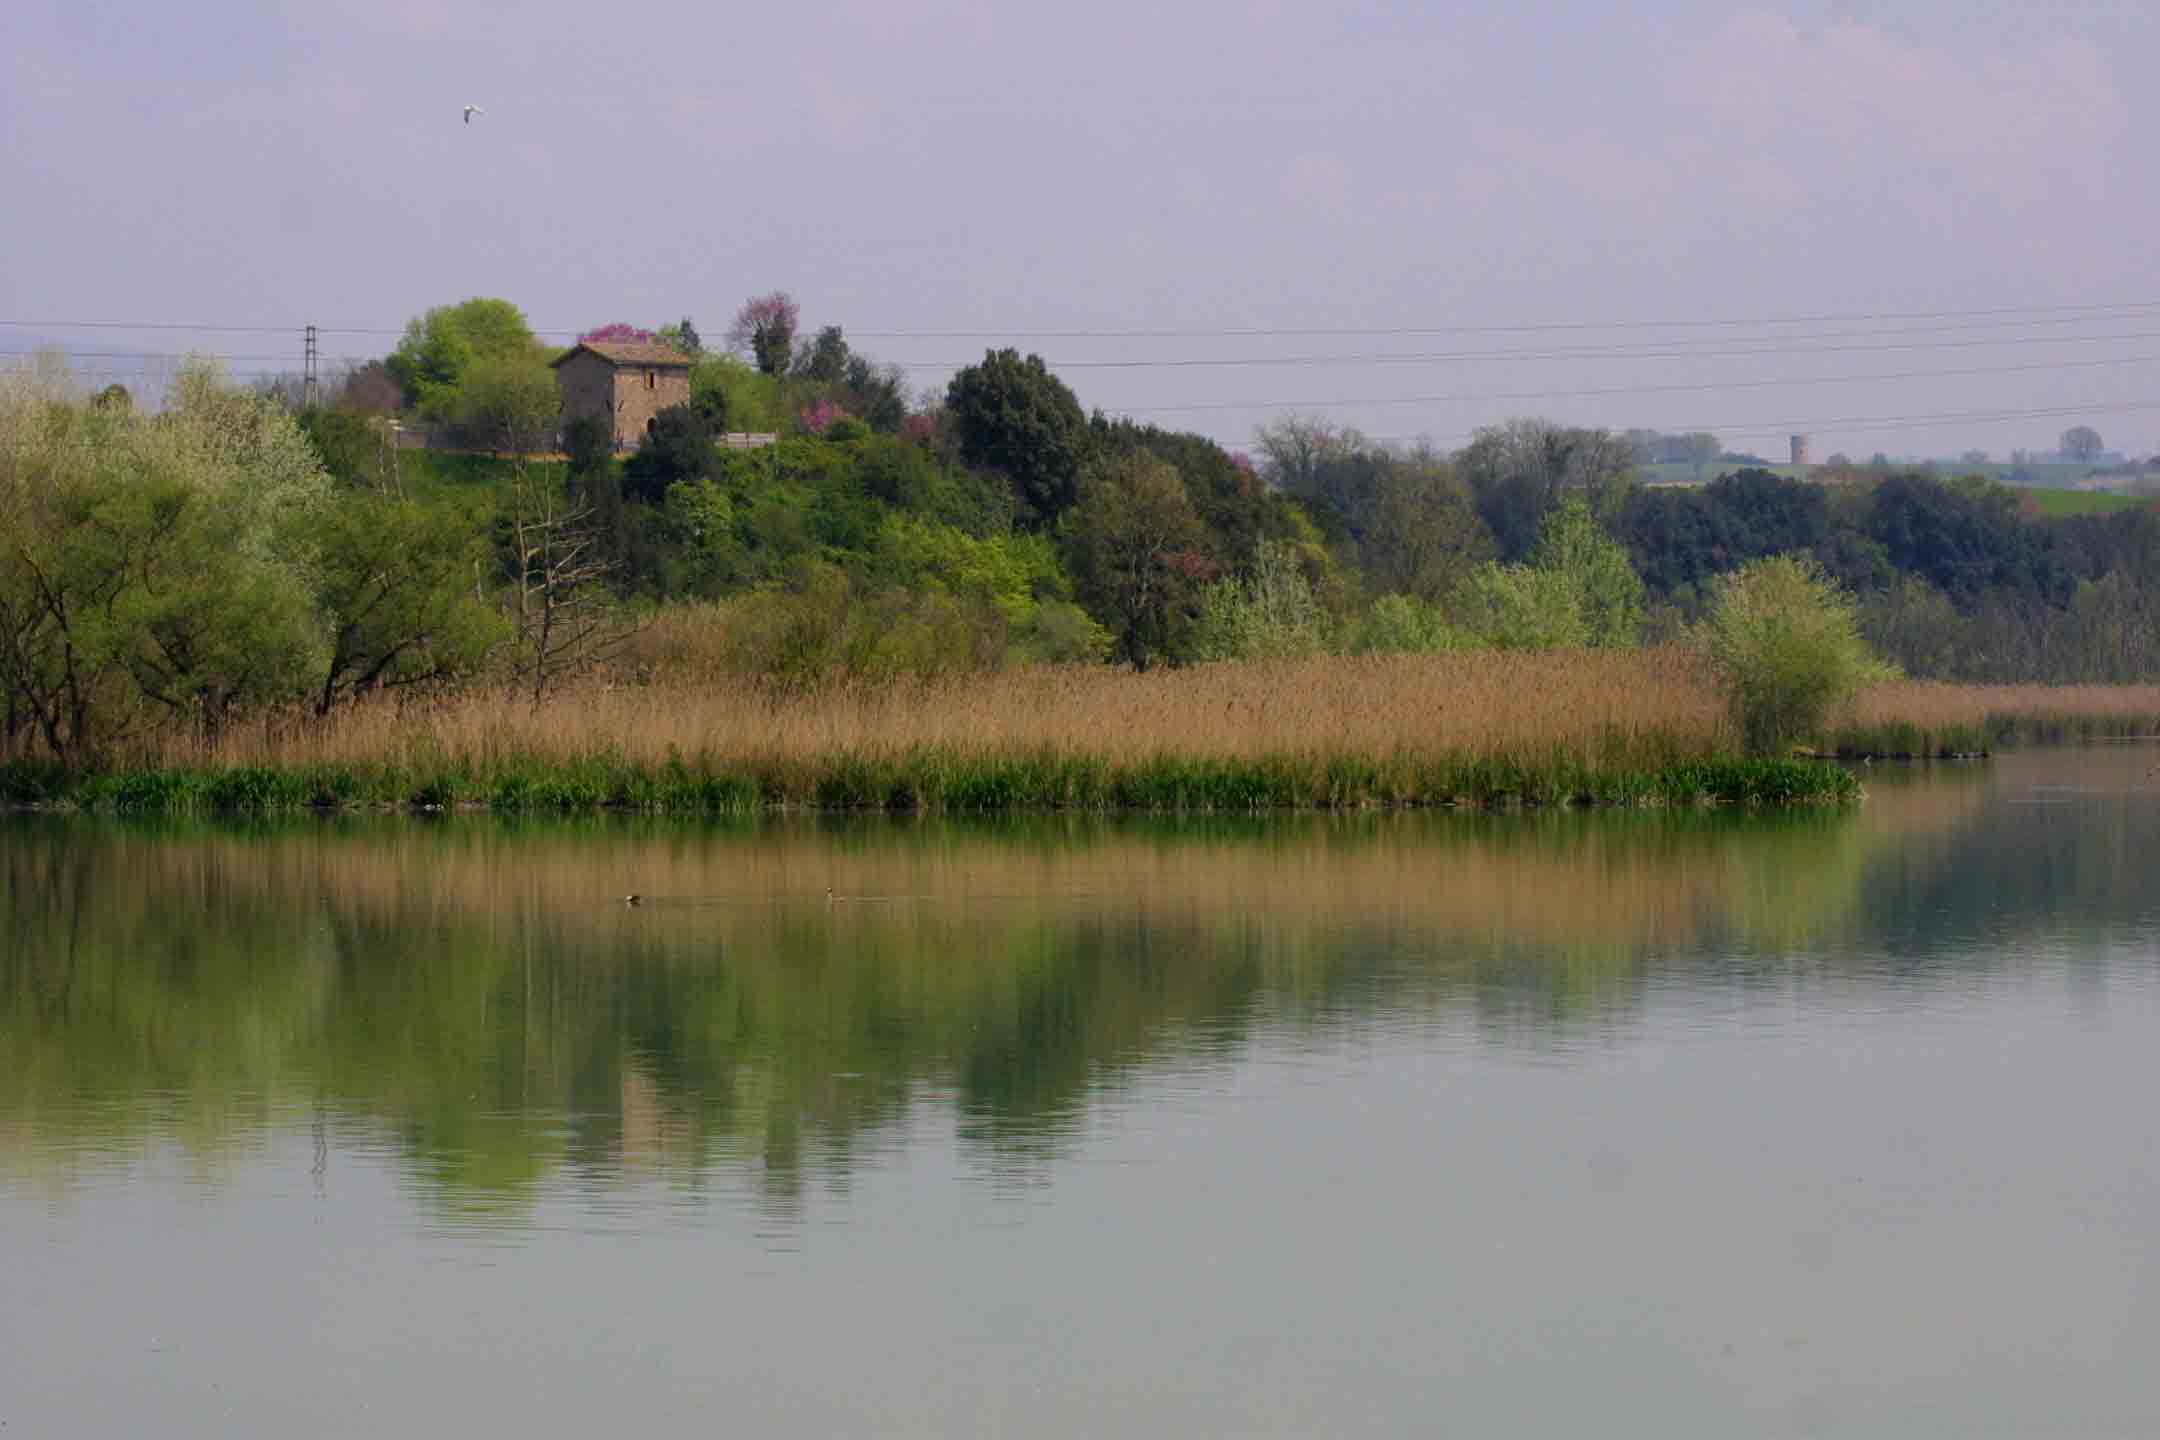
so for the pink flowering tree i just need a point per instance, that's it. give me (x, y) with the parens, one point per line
(817, 418)
(765, 327)
(618, 333)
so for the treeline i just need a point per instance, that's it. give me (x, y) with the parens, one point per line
(232, 553)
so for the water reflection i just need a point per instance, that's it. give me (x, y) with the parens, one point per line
(475, 997)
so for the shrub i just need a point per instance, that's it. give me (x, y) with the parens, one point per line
(1785, 641)
(1405, 625)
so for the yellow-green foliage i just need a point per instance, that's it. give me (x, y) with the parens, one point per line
(1273, 613)
(158, 569)
(1784, 639)
(1405, 625)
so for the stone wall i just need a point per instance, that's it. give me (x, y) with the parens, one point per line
(641, 392)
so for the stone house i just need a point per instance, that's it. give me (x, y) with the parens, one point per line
(623, 386)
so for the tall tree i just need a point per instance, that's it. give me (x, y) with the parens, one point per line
(1015, 417)
(1137, 548)
(765, 329)
(430, 362)
(2082, 444)
(1521, 469)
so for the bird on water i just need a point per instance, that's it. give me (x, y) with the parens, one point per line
(633, 899)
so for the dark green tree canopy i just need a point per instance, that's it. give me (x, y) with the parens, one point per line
(1015, 417)
(679, 446)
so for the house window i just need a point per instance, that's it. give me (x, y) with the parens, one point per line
(652, 379)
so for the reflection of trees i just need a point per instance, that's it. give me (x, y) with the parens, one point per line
(474, 995)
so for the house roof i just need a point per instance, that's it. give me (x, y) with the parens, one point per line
(665, 357)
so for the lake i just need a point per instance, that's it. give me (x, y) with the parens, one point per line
(1829, 1123)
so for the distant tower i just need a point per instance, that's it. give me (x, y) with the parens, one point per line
(1799, 450)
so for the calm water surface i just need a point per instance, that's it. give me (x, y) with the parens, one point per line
(1550, 1125)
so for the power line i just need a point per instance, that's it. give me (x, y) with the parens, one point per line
(1517, 328)
(1755, 347)
(1474, 397)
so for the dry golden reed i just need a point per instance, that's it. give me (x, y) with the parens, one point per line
(1480, 704)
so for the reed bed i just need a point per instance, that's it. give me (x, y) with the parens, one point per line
(1917, 719)
(1323, 733)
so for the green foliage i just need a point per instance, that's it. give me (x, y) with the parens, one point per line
(1609, 594)
(1270, 613)
(1520, 607)
(1405, 625)
(430, 363)
(1520, 470)
(157, 571)
(1785, 641)
(1136, 544)
(1016, 418)
(395, 579)
(508, 402)
(677, 447)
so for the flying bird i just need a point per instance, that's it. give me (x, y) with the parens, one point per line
(472, 110)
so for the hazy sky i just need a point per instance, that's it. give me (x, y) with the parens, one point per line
(1207, 165)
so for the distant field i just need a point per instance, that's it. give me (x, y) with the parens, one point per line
(2054, 504)
(1685, 474)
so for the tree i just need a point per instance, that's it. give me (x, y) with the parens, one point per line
(1013, 416)
(1294, 448)
(1519, 470)
(826, 361)
(564, 618)
(765, 329)
(511, 402)
(678, 447)
(1520, 607)
(618, 333)
(1425, 535)
(1784, 639)
(398, 583)
(1608, 592)
(154, 570)
(430, 362)
(1269, 614)
(1136, 543)
(2082, 444)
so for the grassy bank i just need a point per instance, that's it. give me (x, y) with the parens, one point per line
(933, 781)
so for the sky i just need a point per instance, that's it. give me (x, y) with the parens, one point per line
(1930, 187)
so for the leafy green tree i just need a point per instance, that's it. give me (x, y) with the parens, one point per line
(1520, 607)
(1271, 613)
(1016, 418)
(156, 571)
(440, 345)
(1238, 508)
(1521, 469)
(1785, 641)
(826, 361)
(678, 447)
(510, 402)
(1426, 534)
(396, 580)
(1405, 625)
(1609, 593)
(1137, 544)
